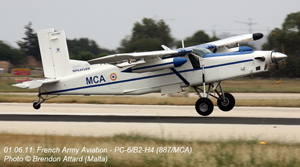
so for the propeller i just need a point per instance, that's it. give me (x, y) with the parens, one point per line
(276, 66)
(276, 57)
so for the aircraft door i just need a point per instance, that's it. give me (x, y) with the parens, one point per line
(194, 61)
(195, 74)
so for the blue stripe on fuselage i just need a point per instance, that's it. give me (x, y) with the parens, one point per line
(147, 77)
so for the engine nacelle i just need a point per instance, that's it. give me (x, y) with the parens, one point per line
(157, 65)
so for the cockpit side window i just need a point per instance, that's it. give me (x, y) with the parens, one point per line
(201, 51)
(195, 61)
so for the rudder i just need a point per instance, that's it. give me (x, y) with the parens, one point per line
(54, 53)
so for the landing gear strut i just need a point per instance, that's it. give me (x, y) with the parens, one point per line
(37, 104)
(204, 105)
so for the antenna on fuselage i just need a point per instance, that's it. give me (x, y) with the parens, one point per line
(182, 43)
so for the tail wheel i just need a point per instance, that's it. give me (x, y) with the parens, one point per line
(36, 105)
(227, 104)
(204, 106)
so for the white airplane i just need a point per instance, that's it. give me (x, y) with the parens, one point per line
(165, 71)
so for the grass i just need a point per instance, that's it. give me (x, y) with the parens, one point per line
(6, 86)
(203, 153)
(261, 85)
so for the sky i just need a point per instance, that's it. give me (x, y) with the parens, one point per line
(108, 22)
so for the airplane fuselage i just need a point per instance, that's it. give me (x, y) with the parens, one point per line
(106, 79)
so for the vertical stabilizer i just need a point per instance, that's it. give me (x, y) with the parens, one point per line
(54, 52)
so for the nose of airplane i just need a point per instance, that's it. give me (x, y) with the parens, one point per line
(276, 57)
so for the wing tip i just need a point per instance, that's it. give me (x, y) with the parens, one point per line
(257, 36)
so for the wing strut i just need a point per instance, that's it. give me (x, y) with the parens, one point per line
(180, 76)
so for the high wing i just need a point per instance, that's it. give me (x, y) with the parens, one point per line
(155, 54)
(138, 55)
(231, 40)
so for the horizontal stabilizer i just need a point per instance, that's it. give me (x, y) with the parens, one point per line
(35, 83)
(29, 84)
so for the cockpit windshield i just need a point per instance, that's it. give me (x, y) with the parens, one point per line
(200, 51)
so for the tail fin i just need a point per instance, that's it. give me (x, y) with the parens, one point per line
(54, 52)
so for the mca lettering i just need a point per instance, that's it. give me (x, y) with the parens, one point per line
(95, 80)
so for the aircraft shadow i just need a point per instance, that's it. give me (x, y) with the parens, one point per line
(151, 119)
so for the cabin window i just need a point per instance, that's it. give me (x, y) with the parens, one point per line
(201, 51)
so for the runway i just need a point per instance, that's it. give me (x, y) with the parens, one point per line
(263, 123)
(151, 119)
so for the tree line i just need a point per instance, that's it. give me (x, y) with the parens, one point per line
(287, 40)
(149, 35)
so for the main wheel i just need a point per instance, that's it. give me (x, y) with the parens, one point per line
(36, 105)
(204, 106)
(227, 104)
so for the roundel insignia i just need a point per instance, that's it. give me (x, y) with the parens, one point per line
(113, 76)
